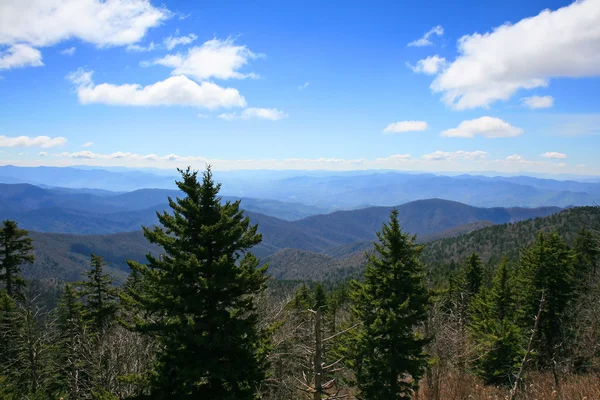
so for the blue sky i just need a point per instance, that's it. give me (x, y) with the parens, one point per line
(413, 85)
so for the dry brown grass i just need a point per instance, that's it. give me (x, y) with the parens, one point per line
(538, 387)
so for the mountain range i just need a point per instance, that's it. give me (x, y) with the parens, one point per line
(339, 234)
(329, 190)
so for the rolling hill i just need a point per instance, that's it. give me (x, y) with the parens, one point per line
(491, 243)
(337, 235)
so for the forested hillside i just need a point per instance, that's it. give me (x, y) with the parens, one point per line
(506, 240)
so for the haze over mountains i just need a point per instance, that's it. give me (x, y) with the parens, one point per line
(328, 190)
(95, 213)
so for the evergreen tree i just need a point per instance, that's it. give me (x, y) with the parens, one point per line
(473, 275)
(547, 267)
(100, 296)
(388, 356)
(320, 298)
(587, 256)
(494, 330)
(71, 345)
(15, 250)
(199, 297)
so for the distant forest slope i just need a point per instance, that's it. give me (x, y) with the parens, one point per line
(298, 251)
(65, 256)
(493, 242)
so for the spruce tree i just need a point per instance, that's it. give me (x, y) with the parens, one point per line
(15, 250)
(473, 275)
(198, 297)
(388, 356)
(493, 328)
(100, 296)
(71, 345)
(547, 267)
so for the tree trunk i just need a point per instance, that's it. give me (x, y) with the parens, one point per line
(513, 392)
(318, 356)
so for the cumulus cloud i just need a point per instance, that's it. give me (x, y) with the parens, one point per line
(424, 41)
(43, 154)
(221, 59)
(68, 51)
(538, 101)
(87, 144)
(271, 114)
(406, 126)
(554, 154)
(495, 65)
(453, 155)
(488, 127)
(429, 66)
(27, 141)
(173, 41)
(19, 56)
(176, 90)
(103, 23)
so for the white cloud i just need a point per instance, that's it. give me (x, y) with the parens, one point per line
(453, 155)
(525, 55)
(103, 23)
(43, 154)
(397, 158)
(424, 41)
(554, 154)
(176, 90)
(173, 41)
(221, 59)
(538, 101)
(19, 56)
(429, 66)
(514, 157)
(488, 127)
(27, 141)
(272, 114)
(141, 49)
(406, 126)
(87, 144)
(68, 51)
(202, 116)
(303, 86)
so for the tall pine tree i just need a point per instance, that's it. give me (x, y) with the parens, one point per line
(388, 356)
(547, 267)
(101, 297)
(199, 297)
(15, 250)
(473, 275)
(493, 328)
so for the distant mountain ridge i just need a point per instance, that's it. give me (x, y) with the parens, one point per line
(346, 233)
(330, 190)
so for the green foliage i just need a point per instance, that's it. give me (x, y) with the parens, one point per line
(493, 328)
(69, 348)
(101, 297)
(198, 297)
(474, 274)
(387, 352)
(547, 267)
(15, 250)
